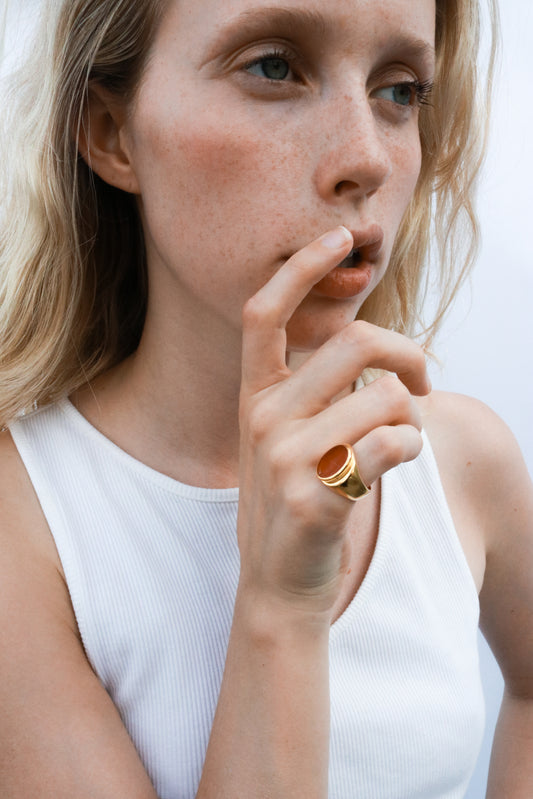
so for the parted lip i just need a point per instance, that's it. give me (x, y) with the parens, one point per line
(354, 275)
(367, 244)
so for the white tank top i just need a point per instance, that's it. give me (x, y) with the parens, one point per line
(152, 567)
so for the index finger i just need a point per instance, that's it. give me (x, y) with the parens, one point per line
(266, 314)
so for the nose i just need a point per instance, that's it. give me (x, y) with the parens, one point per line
(354, 159)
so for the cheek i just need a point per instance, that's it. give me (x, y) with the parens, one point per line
(408, 161)
(217, 200)
(216, 180)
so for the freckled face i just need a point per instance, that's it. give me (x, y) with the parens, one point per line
(255, 130)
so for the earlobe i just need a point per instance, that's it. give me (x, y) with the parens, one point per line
(102, 141)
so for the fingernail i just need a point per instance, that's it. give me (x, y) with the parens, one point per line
(336, 239)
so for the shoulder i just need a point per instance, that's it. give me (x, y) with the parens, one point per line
(480, 462)
(19, 508)
(468, 435)
(463, 421)
(29, 562)
(18, 502)
(490, 495)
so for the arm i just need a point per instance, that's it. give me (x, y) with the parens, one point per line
(491, 498)
(61, 737)
(507, 617)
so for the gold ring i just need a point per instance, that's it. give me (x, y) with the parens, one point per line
(337, 469)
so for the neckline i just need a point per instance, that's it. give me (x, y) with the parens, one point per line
(162, 480)
(231, 495)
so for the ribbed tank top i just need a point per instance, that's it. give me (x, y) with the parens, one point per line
(152, 567)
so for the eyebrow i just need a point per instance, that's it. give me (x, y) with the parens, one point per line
(265, 22)
(277, 20)
(417, 48)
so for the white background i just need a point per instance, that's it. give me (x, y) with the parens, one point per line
(486, 343)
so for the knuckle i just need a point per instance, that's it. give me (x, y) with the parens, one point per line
(257, 311)
(313, 510)
(396, 396)
(400, 399)
(304, 503)
(389, 383)
(389, 446)
(257, 423)
(364, 329)
(281, 457)
(417, 443)
(412, 443)
(357, 333)
(250, 311)
(300, 503)
(396, 444)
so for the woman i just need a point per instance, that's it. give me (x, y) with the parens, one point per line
(208, 194)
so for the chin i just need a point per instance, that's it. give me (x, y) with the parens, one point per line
(317, 320)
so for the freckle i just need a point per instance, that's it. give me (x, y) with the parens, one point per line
(469, 463)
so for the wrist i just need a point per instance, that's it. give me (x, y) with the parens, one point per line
(269, 620)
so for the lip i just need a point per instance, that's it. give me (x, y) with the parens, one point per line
(346, 281)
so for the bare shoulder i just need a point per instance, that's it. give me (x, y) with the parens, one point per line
(490, 494)
(477, 453)
(466, 424)
(485, 479)
(478, 456)
(34, 599)
(26, 545)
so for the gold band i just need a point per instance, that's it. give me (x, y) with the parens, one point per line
(337, 469)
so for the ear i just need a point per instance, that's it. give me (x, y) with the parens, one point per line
(102, 140)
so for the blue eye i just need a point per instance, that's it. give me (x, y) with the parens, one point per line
(272, 67)
(401, 93)
(408, 93)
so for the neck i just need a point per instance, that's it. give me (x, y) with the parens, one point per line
(174, 404)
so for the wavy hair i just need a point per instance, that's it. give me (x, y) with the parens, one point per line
(440, 225)
(73, 283)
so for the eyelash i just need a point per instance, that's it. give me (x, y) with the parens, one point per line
(422, 89)
(273, 55)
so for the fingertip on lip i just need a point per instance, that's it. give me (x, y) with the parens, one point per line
(337, 238)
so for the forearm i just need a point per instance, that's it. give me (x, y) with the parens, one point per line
(511, 766)
(270, 736)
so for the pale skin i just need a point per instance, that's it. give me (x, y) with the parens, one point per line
(234, 315)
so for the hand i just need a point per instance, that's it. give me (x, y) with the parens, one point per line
(292, 530)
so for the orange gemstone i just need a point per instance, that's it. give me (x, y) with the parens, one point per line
(332, 462)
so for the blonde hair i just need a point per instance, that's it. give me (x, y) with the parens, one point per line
(73, 283)
(441, 215)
